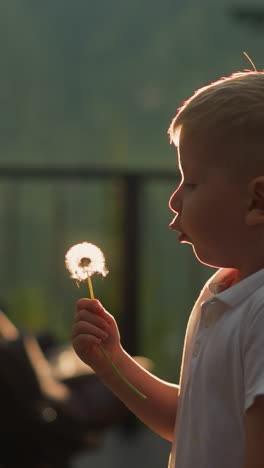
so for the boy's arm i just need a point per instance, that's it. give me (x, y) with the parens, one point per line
(254, 434)
(158, 411)
(93, 325)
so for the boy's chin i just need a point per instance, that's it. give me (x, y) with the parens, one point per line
(205, 261)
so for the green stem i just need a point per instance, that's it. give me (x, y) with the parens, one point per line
(120, 376)
(107, 357)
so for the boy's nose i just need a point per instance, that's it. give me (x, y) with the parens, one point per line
(174, 202)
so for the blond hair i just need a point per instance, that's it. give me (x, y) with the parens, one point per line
(231, 107)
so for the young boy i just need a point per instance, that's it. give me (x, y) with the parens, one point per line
(218, 208)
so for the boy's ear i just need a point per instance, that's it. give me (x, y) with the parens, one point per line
(255, 212)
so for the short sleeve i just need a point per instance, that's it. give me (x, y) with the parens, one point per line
(253, 357)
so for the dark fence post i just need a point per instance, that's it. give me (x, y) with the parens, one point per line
(131, 263)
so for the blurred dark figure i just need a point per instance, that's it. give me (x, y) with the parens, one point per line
(52, 406)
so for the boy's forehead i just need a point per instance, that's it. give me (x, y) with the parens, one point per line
(202, 149)
(204, 153)
(193, 148)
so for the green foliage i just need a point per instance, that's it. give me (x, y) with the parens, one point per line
(30, 308)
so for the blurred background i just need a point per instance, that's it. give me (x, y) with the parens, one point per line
(88, 90)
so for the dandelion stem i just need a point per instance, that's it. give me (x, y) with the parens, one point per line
(120, 376)
(90, 287)
(107, 357)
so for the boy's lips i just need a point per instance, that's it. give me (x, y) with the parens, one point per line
(182, 237)
(174, 226)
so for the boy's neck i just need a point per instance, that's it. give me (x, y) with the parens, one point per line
(242, 274)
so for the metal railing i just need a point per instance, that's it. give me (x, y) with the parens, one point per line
(131, 183)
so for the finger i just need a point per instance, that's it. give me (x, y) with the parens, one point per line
(88, 329)
(81, 340)
(94, 306)
(88, 316)
(91, 304)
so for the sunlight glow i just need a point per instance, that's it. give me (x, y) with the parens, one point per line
(85, 259)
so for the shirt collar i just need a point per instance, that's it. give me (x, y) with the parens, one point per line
(220, 285)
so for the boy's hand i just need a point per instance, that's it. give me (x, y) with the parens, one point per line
(94, 326)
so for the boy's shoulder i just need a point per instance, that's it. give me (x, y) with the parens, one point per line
(242, 303)
(251, 289)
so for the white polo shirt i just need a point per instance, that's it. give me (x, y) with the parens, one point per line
(222, 372)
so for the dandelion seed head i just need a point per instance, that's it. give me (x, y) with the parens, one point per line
(85, 259)
(84, 262)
